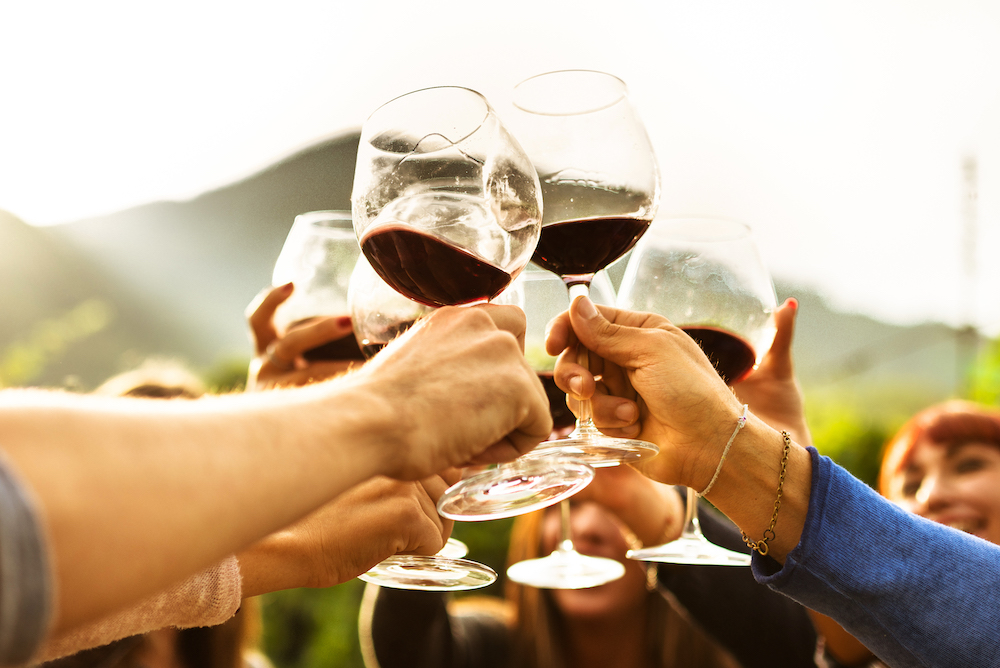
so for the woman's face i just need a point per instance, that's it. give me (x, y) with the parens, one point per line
(596, 532)
(954, 485)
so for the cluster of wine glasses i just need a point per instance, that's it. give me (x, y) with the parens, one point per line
(449, 208)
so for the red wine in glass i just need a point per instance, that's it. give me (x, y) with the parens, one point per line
(583, 247)
(345, 348)
(429, 270)
(732, 357)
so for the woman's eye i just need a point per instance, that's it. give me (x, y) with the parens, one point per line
(910, 488)
(969, 465)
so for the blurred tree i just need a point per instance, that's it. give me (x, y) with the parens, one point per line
(227, 375)
(984, 375)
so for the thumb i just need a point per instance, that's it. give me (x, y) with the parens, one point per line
(598, 334)
(779, 357)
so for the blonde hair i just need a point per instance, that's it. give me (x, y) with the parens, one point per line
(154, 379)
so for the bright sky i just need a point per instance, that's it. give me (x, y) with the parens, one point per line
(836, 129)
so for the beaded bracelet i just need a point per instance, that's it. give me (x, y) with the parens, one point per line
(760, 546)
(739, 425)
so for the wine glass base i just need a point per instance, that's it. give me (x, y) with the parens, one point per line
(565, 570)
(599, 451)
(693, 551)
(453, 549)
(429, 573)
(514, 489)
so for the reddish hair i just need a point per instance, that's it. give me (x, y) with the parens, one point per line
(948, 423)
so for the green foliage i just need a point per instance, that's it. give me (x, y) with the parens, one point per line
(851, 425)
(984, 375)
(313, 627)
(225, 376)
(24, 361)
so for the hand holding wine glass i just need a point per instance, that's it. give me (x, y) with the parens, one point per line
(317, 258)
(706, 275)
(600, 184)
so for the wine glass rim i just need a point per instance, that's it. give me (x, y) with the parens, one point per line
(329, 221)
(622, 92)
(699, 228)
(487, 107)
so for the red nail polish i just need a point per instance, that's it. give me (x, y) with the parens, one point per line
(344, 321)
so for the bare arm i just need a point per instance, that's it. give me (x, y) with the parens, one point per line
(136, 495)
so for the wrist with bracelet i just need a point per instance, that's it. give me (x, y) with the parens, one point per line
(760, 546)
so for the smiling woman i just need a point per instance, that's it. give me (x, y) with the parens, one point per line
(944, 464)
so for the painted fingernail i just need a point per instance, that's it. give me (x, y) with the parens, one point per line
(287, 287)
(344, 321)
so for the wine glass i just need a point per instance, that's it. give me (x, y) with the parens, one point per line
(446, 204)
(707, 277)
(380, 314)
(565, 568)
(318, 256)
(447, 209)
(600, 184)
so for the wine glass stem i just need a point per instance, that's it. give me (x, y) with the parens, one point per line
(565, 540)
(585, 417)
(692, 527)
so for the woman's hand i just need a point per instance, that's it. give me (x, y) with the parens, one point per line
(652, 511)
(772, 391)
(278, 360)
(345, 538)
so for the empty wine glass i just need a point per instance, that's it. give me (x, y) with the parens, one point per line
(707, 277)
(600, 184)
(564, 568)
(318, 256)
(379, 315)
(447, 209)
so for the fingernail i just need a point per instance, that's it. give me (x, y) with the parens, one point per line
(793, 302)
(287, 287)
(625, 413)
(344, 321)
(576, 385)
(586, 308)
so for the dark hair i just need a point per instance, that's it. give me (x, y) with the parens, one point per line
(949, 423)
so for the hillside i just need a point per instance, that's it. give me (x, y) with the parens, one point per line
(178, 276)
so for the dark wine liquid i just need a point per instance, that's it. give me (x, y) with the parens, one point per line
(732, 356)
(344, 348)
(372, 348)
(562, 416)
(430, 271)
(580, 247)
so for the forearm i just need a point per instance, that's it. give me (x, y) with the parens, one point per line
(867, 564)
(136, 495)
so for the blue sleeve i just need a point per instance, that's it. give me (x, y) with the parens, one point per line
(25, 596)
(915, 592)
